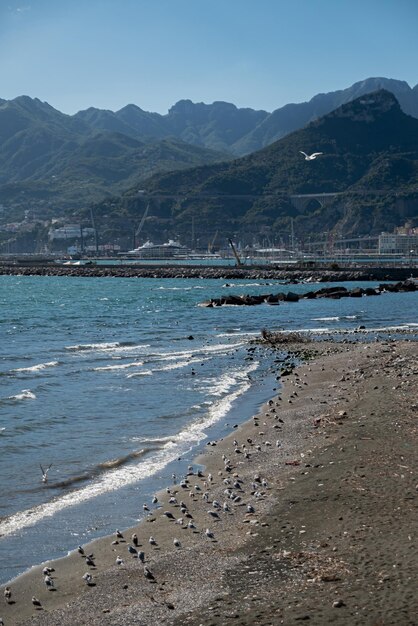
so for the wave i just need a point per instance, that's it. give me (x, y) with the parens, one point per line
(25, 394)
(233, 333)
(143, 373)
(120, 474)
(106, 346)
(228, 285)
(336, 318)
(167, 439)
(35, 368)
(99, 468)
(178, 288)
(203, 350)
(118, 367)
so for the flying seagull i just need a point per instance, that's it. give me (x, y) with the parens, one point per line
(45, 473)
(310, 157)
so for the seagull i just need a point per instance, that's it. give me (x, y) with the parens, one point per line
(176, 543)
(148, 574)
(134, 539)
(310, 157)
(37, 603)
(119, 534)
(80, 550)
(145, 507)
(45, 473)
(47, 571)
(49, 583)
(8, 594)
(90, 562)
(155, 500)
(141, 556)
(87, 578)
(132, 551)
(119, 560)
(209, 534)
(152, 541)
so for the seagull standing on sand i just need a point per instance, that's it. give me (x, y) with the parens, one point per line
(132, 551)
(8, 594)
(36, 603)
(310, 157)
(148, 574)
(49, 583)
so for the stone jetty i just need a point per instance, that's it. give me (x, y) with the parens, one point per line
(206, 272)
(327, 292)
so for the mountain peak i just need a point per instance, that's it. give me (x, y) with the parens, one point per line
(367, 107)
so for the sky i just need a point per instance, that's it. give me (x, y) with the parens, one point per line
(262, 54)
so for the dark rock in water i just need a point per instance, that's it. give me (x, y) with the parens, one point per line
(369, 291)
(356, 293)
(272, 299)
(233, 300)
(332, 292)
(291, 297)
(190, 337)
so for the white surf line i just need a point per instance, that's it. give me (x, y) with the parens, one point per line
(119, 478)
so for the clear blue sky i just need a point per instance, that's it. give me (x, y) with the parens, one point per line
(256, 53)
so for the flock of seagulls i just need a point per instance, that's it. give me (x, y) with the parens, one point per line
(231, 493)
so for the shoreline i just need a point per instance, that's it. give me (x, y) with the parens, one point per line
(326, 399)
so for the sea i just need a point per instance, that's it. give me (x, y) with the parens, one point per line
(116, 384)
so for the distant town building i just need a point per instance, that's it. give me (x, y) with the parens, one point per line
(393, 243)
(70, 231)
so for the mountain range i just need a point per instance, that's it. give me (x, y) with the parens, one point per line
(56, 164)
(223, 127)
(365, 181)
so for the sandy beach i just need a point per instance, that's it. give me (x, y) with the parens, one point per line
(316, 521)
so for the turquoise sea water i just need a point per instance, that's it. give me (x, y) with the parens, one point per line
(118, 382)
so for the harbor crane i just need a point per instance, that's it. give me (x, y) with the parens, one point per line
(237, 259)
(141, 224)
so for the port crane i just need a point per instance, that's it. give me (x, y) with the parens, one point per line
(141, 224)
(237, 259)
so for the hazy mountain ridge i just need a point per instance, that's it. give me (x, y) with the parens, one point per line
(72, 161)
(224, 127)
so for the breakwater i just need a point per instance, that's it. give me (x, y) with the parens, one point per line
(199, 271)
(327, 292)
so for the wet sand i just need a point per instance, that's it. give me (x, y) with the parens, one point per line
(330, 470)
